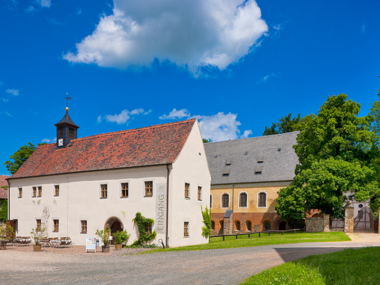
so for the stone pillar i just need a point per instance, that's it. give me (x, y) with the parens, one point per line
(228, 223)
(326, 223)
(349, 220)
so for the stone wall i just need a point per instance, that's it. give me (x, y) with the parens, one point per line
(349, 220)
(318, 225)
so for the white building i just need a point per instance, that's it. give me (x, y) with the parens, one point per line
(104, 180)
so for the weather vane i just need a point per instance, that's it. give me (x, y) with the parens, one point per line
(67, 101)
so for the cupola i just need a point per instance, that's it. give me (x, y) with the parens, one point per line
(67, 130)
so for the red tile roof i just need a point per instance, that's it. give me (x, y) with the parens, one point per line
(3, 182)
(155, 145)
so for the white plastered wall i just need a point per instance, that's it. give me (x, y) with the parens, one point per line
(190, 167)
(79, 199)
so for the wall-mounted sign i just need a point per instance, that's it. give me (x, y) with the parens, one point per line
(90, 243)
(160, 221)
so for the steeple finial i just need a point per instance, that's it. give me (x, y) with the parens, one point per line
(67, 102)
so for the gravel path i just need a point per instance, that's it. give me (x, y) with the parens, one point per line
(220, 266)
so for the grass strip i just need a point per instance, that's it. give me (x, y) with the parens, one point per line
(254, 240)
(349, 267)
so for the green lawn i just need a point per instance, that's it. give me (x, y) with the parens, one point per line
(348, 267)
(254, 240)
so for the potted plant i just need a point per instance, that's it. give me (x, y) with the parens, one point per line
(119, 238)
(38, 234)
(105, 237)
(6, 232)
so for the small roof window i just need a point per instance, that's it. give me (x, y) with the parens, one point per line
(260, 161)
(226, 174)
(279, 149)
(257, 172)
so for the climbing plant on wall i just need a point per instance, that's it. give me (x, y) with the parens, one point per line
(206, 229)
(142, 224)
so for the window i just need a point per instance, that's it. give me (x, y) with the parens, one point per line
(38, 225)
(260, 161)
(39, 191)
(258, 173)
(124, 190)
(34, 193)
(71, 133)
(225, 200)
(210, 201)
(20, 192)
(249, 226)
(103, 191)
(213, 225)
(83, 227)
(186, 229)
(237, 225)
(199, 193)
(243, 200)
(148, 228)
(187, 190)
(56, 226)
(60, 132)
(148, 188)
(56, 190)
(262, 199)
(267, 226)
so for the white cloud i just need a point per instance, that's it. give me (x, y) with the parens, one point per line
(6, 113)
(364, 27)
(30, 9)
(121, 118)
(266, 77)
(277, 29)
(188, 33)
(44, 3)
(148, 112)
(5, 100)
(176, 114)
(78, 11)
(49, 140)
(219, 127)
(14, 92)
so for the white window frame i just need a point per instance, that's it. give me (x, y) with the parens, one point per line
(188, 229)
(22, 191)
(266, 199)
(239, 200)
(100, 190)
(80, 226)
(59, 185)
(184, 195)
(211, 201)
(153, 190)
(52, 225)
(221, 200)
(201, 193)
(120, 189)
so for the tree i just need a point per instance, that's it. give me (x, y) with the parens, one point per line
(287, 124)
(19, 157)
(334, 153)
(206, 229)
(206, 140)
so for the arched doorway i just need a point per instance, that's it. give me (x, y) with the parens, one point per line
(115, 225)
(282, 226)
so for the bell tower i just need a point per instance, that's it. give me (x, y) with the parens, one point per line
(67, 130)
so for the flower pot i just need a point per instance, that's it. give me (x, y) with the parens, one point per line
(105, 248)
(118, 246)
(37, 247)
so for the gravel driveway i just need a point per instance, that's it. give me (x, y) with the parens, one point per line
(219, 266)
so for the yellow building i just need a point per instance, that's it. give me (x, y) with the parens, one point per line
(246, 176)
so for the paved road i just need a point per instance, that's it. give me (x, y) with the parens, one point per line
(220, 266)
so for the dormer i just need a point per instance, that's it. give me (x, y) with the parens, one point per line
(67, 130)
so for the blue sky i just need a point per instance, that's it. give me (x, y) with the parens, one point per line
(236, 65)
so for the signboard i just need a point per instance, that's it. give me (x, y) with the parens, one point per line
(90, 243)
(161, 208)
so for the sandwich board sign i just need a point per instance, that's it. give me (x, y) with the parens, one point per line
(90, 243)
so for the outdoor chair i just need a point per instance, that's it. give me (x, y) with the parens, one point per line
(68, 241)
(45, 242)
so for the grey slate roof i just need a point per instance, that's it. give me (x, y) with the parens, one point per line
(66, 120)
(238, 159)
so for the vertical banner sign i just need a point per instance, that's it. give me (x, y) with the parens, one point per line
(160, 208)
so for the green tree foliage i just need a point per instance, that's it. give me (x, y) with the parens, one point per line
(4, 210)
(104, 235)
(142, 223)
(206, 229)
(121, 236)
(334, 153)
(19, 157)
(206, 140)
(375, 113)
(287, 124)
